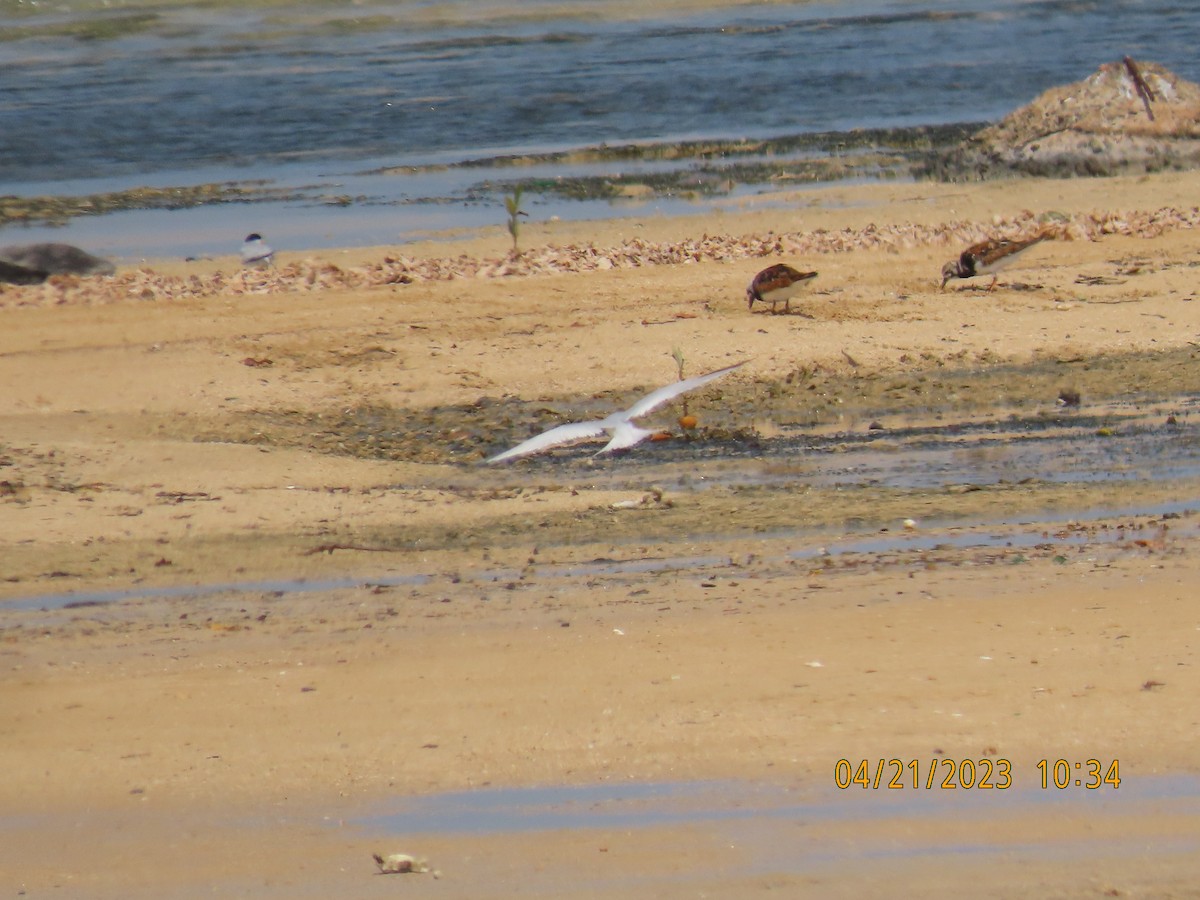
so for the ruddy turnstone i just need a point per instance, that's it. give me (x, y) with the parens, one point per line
(619, 425)
(775, 283)
(988, 257)
(255, 252)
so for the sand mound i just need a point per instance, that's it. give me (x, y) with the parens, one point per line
(1127, 118)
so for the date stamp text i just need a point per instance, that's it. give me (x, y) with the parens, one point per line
(984, 774)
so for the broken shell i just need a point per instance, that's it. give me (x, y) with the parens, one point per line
(310, 274)
(653, 498)
(401, 864)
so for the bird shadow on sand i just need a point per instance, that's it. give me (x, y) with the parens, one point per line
(795, 313)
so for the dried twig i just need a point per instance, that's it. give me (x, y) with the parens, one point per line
(329, 548)
(1143, 89)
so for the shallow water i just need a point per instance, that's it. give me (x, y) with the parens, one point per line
(813, 830)
(275, 82)
(305, 95)
(1121, 442)
(1030, 532)
(1109, 443)
(623, 805)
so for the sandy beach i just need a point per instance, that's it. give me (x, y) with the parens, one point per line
(382, 619)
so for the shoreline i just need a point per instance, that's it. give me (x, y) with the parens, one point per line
(238, 742)
(314, 207)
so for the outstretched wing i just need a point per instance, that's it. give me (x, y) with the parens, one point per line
(563, 434)
(653, 401)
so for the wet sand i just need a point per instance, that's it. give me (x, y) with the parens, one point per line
(510, 628)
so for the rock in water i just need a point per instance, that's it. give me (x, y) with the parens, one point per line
(56, 259)
(1107, 124)
(10, 273)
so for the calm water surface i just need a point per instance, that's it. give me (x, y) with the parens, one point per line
(320, 95)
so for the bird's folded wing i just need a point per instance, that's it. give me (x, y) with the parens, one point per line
(653, 401)
(563, 434)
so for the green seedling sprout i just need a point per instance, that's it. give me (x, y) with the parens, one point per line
(512, 203)
(679, 360)
(678, 355)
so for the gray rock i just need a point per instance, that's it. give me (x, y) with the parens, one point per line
(10, 273)
(56, 259)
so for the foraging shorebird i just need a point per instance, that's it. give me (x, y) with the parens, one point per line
(988, 257)
(255, 252)
(618, 426)
(775, 283)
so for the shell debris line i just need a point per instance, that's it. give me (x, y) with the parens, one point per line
(146, 285)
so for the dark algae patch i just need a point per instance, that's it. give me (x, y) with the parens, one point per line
(964, 441)
(693, 169)
(96, 27)
(712, 167)
(56, 210)
(688, 169)
(930, 398)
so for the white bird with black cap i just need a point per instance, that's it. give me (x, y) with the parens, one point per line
(255, 252)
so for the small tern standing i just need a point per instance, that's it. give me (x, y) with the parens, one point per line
(255, 253)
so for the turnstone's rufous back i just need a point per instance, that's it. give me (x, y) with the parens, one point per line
(775, 283)
(988, 257)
